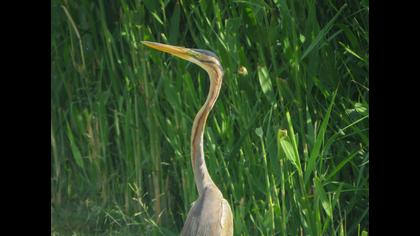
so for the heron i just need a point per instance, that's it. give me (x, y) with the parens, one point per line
(210, 214)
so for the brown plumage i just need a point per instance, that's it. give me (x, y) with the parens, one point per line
(210, 214)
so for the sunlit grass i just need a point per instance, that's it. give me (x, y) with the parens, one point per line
(287, 142)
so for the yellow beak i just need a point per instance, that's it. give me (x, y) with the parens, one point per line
(181, 52)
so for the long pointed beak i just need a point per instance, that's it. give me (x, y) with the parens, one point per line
(181, 52)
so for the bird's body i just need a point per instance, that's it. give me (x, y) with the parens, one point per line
(210, 214)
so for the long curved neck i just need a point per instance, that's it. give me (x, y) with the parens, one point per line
(201, 174)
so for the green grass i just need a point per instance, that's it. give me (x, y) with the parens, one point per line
(287, 143)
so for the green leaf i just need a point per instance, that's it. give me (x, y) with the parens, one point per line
(341, 165)
(360, 108)
(265, 82)
(318, 39)
(156, 16)
(75, 150)
(314, 155)
(287, 149)
(174, 30)
(351, 52)
(259, 132)
(320, 193)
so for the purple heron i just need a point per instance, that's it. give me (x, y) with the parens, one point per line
(210, 214)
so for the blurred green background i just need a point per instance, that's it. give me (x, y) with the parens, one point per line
(287, 142)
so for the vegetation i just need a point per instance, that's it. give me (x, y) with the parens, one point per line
(287, 142)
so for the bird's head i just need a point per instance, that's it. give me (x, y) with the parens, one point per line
(203, 58)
